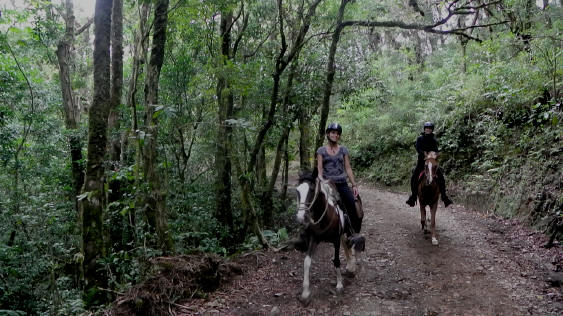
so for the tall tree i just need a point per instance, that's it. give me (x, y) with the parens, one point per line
(116, 228)
(330, 70)
(71, 109)
(225, 112)
(140, 50)
(281, 150)
(283, 58)
(93, 191)
(116, 76)
(155, 204)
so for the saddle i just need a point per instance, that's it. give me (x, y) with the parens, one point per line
(333, 197)
(355, 240)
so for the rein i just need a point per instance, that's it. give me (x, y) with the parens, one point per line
(310, 205)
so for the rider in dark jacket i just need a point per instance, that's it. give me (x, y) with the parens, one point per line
(426, 143)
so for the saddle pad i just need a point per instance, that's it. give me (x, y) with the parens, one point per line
(341, 215)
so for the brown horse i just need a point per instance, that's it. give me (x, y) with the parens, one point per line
(323, 221)
(428, 193)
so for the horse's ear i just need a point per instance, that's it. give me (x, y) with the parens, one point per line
(425, 154)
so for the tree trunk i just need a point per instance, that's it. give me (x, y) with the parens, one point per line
(280, 149)
(282, 61)
(140, 48)
(155, 204)
(118, 227)
(283, 195)
(92, 206)
(304, 138)
(223, 184)
(249, 216)
(71, 110)
(330, 70)
(116, 77)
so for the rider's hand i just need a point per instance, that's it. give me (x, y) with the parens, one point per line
(355, 190)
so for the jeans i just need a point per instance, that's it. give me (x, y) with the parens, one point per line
(349, 202)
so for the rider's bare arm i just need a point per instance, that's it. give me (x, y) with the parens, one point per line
(320, 166)
(350, 174)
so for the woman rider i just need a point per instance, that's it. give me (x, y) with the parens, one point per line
(333, 163)
(427, 142)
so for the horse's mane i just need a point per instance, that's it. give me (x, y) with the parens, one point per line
(308, 175)
(431, 155)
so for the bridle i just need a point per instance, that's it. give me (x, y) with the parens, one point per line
(307, 206)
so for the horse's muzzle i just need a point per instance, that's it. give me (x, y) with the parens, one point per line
(303, 217)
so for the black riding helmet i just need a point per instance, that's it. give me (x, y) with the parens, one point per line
(429, 125)
(334, 127)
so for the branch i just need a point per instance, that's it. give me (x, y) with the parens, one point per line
(484, 5)
(27, 128)
(282, 34)
(84, 27)
(260, 44)
(463, 10)
(230, 27)
(425, 28)
(243, 28)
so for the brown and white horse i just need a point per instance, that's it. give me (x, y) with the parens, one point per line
(324, 221)
(428, 193)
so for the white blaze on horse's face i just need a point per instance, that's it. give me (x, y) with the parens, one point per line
(303, 191)
(429, 175)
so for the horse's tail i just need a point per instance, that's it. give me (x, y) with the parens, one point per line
(357, 241)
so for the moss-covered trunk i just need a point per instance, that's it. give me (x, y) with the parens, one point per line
(92, 203)
(223, 186)
(155, 202)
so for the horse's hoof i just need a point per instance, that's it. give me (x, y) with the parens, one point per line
(339, 290)
(351, 267)
(305, 300)
(434, 241)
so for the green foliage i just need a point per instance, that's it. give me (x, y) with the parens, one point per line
(499, 131)
(274, 238)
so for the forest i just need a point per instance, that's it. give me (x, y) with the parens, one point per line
(148, 129)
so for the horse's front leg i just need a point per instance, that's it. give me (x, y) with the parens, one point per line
(336, 262)
(433, 223)
(350, 254)
(306, 294)
(423, 217)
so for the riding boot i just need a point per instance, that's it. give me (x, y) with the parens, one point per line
(412, 199)
(442, 185)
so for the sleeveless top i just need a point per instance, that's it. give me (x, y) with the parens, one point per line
(333, 166)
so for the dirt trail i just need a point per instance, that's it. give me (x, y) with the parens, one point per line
(483, 266)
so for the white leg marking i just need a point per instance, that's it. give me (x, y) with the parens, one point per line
(351, 263)
(306, 292)
(339, 285)
(434, 241)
